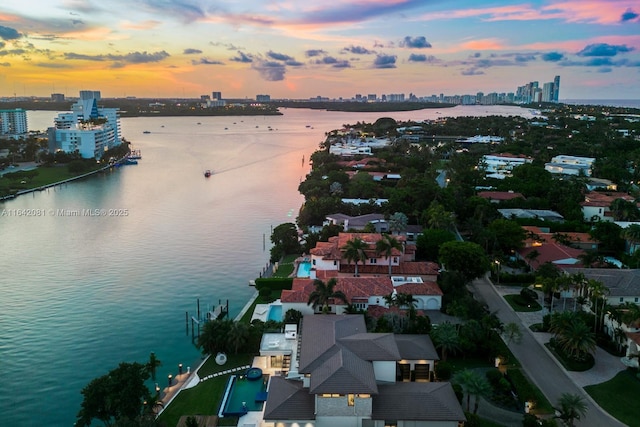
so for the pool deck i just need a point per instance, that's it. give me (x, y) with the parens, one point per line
(261, 312)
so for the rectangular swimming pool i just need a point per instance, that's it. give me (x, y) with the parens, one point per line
(244, 395)
(304, 269)
(275, 313)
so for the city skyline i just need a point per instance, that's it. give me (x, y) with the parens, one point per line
(302, 50)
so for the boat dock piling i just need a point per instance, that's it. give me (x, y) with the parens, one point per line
(219, 312)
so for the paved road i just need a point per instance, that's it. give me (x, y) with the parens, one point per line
(539, 365)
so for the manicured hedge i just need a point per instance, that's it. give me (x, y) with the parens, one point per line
(274, 283)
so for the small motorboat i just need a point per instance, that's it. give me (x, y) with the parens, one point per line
(207, 173)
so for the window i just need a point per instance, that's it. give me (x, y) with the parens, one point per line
(621, 299)
(390, 423)
(373, 260)
(351, 399)
(635, 299)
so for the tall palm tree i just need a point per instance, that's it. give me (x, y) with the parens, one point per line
(549, 287)
(323, 293)
(153, 364)
(354, 250)
(398, 222)
(238, 336)
(596, 290)
(578, 280)
(445, 337)
(571, 407)
(632, 236)
(475, 384)
(386, 245)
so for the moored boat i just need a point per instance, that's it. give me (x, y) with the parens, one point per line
(207, 173)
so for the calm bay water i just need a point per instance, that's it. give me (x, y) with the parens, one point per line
(82, 294)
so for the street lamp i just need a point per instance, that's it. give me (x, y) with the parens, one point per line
(498, 270)
(179, 368)
(170, 377)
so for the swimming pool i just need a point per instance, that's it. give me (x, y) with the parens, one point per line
(275, 313)
(244, 395)
(304, 269)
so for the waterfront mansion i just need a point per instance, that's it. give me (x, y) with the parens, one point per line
(346, 376)
(373, 281)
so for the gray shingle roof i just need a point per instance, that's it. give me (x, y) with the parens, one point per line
(417, 401)
(415, 347)
(319, 335)
(288, 400)
(344, 373)
(370, 346)
(621, 283)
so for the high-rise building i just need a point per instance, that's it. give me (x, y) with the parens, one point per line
(263, 98)
(216, 96)
(556, 89)
(547, 92)
(13, 123)
(87, 128)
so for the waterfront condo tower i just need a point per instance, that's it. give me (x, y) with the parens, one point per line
(87, 128)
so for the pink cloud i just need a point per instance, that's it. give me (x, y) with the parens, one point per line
(605, 12)
(483, 44)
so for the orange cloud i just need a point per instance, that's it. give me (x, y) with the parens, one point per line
(483, 44)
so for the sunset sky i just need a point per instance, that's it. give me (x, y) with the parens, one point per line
(333, 48)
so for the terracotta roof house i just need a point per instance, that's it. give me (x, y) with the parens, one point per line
(499, 196)
(347, 376)
(540, 247)
(363, 292)
(330, 256)
(597, 205)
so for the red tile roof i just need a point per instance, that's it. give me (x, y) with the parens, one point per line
(500, 195)
(359, 288)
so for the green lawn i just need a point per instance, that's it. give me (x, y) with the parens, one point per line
(514, 301)
(619, 397)
(45, 176)
(205, 398)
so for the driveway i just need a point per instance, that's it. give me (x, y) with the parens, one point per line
(542, 368)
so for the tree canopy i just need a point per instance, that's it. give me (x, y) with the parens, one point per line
(467, 258)
(117, 397)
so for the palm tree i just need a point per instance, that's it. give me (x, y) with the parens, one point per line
(323, 293)
(632, 236)
(596, 290)
(438, 217)
(571, 407)
(398, 222)
(238, 336)
(549, 287)
(386, 245)
(354, 250)
(473, 383)
(577, 339)
(153, 364)
(445, 337)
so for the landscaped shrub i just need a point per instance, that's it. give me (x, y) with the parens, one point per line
(274, 283)
(443, 371)
(529, 294)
